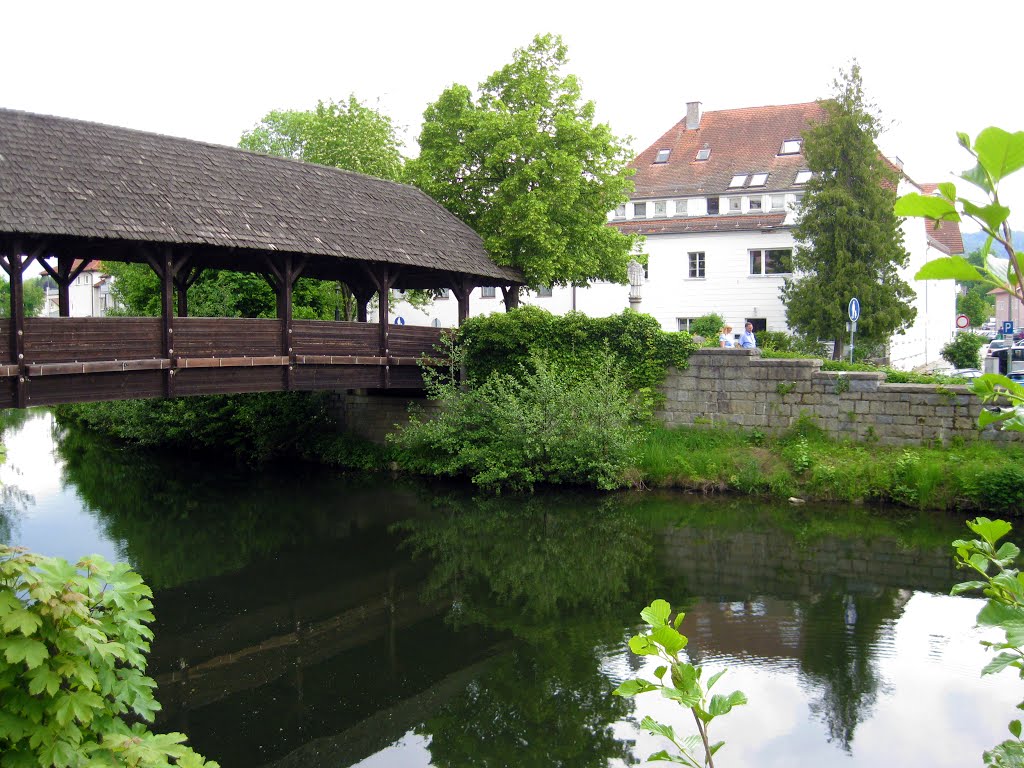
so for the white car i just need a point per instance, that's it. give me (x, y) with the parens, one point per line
(966, 373)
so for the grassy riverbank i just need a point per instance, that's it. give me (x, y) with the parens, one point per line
(804, 463)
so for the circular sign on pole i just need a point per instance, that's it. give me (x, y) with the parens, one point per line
(399, 320)
(854, 310)
(963, 321)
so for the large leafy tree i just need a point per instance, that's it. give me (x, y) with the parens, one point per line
(32, 297)
(527, 167)
(345, 134)
(849, 242)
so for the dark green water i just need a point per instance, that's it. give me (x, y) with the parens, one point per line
(309, 620)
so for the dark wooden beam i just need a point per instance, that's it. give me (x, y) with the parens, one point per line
(15, 260)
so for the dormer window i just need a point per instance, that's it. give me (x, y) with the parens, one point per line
(663, 155)
(639, 210)
(802, 177)
(758, 179)
(660, 209)
(620, 211)
(704, 153)
(738, 180)
(791, 147)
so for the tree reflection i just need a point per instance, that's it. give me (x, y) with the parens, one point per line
(560, 575)
(844, 629)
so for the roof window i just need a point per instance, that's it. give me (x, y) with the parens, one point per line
(791, 147)
(738, 180)
(663, 155)
(758, 179)
(802, 177)
(704, 153)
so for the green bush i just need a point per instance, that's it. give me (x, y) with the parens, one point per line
(964, 350)
(552, 424)
(252, 428)
(708, 326)
(72, 688)
(780, 341)
(508, 342)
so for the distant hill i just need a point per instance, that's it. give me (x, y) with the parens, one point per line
(975, 240)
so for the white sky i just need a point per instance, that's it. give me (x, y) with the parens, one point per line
(210, 70)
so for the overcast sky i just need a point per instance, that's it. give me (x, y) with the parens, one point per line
(210, 70)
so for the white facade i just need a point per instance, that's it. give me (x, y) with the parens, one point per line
(89, 294)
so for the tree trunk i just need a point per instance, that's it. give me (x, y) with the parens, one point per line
(837, 349)
(511, 296)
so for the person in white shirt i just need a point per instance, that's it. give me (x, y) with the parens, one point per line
(725, 338)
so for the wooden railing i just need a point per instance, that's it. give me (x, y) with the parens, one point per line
(92, 358)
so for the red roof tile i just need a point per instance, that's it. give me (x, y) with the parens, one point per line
(741, 141)
(946, 236)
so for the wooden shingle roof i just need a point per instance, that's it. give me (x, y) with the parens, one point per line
(62, 177)
(741, 141)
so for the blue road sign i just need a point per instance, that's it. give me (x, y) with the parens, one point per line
(399, 320)
(854, 310)
(1007, 327)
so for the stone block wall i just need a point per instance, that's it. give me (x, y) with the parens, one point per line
(739, 387)
(373, 416)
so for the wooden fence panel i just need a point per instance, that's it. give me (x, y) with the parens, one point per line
(226, 337)
(85, 339)
(5, 341)
(413, 340)
(320, 337)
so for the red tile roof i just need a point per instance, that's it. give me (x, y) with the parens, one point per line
(741, 141)
(946, 236)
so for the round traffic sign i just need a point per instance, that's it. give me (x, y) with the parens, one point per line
(963, 321)
(854, 310)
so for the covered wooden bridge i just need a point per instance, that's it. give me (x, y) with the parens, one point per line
(73, 192)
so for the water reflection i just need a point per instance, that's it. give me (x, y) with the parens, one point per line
(311, 620)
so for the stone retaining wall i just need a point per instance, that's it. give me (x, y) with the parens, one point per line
(739, 387)
(373, 416)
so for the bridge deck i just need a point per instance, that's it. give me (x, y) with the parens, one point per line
(68, 360)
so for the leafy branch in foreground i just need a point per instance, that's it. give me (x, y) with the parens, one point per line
(998, 154)
(1003, 586)
(684, 687)
(73, 644)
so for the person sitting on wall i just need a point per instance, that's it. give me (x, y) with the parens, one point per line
(747, 338)
(725, 339)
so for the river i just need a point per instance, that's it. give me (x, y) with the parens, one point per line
(306, 618)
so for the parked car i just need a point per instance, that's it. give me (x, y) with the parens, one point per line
(998, 344)
(966, 373)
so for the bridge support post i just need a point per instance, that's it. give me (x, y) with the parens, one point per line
(14, 260)
(65, 274)
(383, 280)
(283, 271)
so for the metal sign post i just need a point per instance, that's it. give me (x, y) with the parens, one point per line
(854, 312)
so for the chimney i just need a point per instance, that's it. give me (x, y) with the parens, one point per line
(692, 115)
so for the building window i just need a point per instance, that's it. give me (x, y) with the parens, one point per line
(778, 202)
(758, 179)
(802, 177)
(712, 205)
(754, 204)
(735, 204)
(660, 209)
(738, 181)
(759, 323)
(640, 210)
(683, 323)
(704, 153)
(544, 291)
(771, 261)
(696, 260)
(798, 201)
(442, 294)
(663, 155)
(487, 292)
(620, 211)
(790, 147)
(680, 208)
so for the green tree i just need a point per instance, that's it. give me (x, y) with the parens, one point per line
(962, 351)
(525, 165)
(32, 297)
(849, 242)
(976, 304)
(347, 134)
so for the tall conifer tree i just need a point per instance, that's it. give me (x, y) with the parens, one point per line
(849, 241)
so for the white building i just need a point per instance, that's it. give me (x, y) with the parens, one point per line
(89, 294)
(715, 198)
